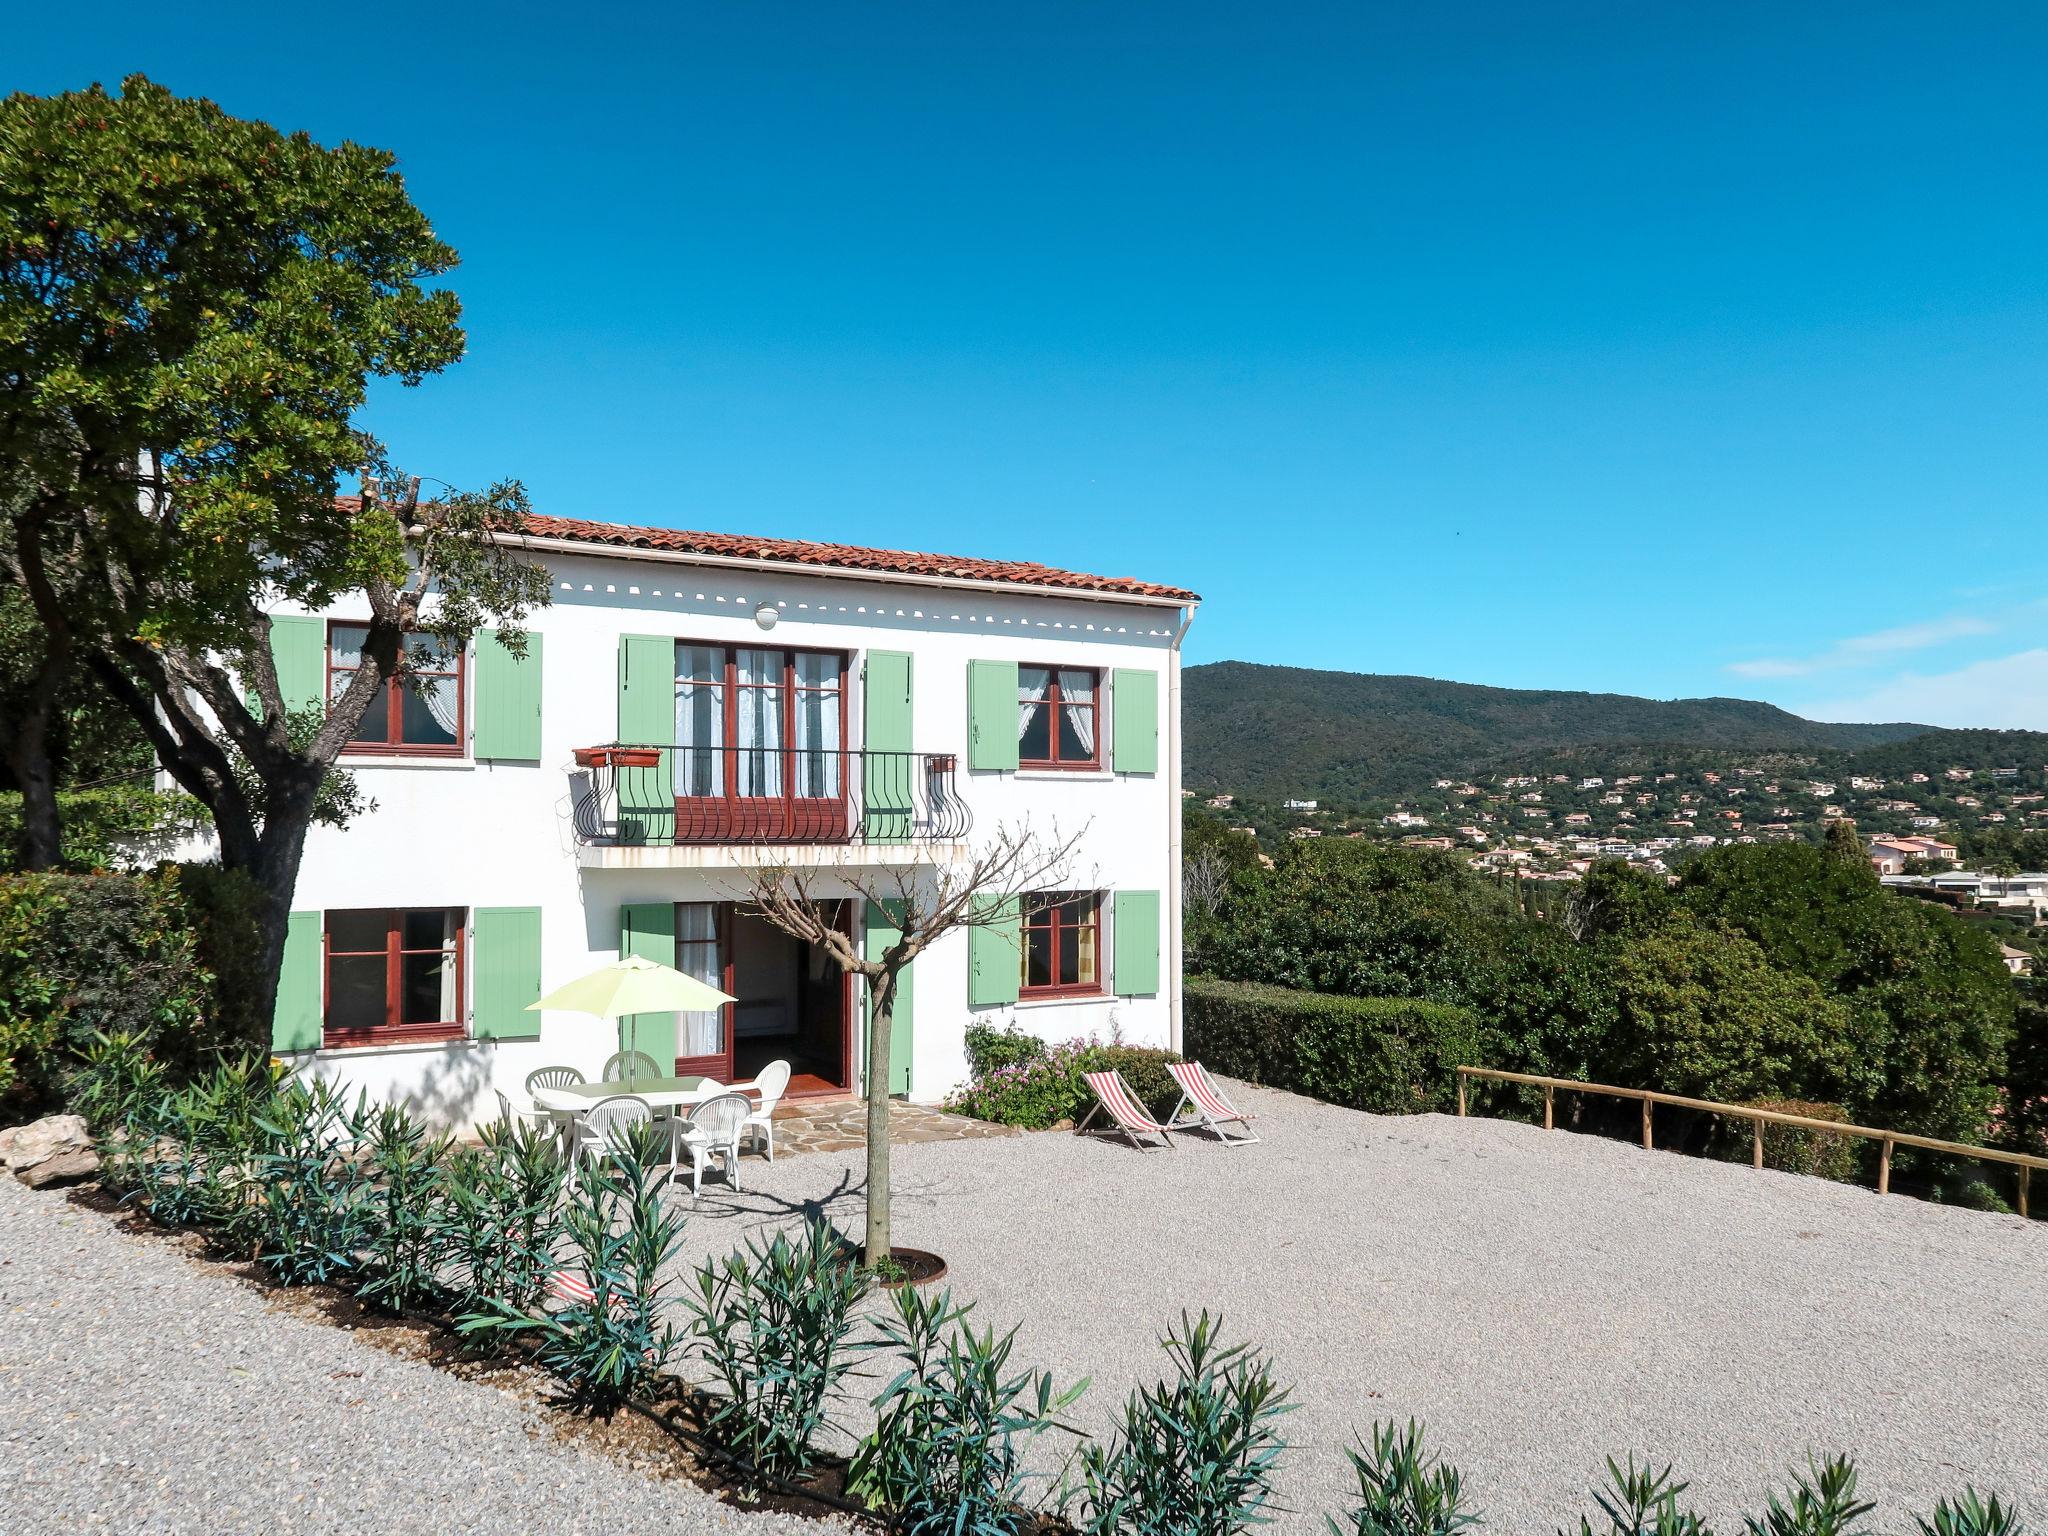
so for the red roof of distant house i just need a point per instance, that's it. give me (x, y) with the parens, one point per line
(844, 557)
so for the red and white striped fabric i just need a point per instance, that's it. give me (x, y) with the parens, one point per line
(1116, 1098)
(1194, 1082)
(571, 1289)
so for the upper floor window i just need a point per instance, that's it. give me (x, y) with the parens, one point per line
(1057, 717)
(759, 723)
(393, 974)
(1062, 949)
(423, 714)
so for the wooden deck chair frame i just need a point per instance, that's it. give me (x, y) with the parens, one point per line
(1211, 1110)
(1127, 1118)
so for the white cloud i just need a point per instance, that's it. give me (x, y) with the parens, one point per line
(2001, 693)
(1860, 650)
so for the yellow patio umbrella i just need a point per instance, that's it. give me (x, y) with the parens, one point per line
(630, 986)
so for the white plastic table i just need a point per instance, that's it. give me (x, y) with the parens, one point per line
(675, 1095)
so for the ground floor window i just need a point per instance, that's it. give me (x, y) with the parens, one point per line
(393, 973)
(1062, 949)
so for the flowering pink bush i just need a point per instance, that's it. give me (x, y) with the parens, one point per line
(1019, 1080)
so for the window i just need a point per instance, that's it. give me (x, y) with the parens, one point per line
(1062, 950)
(759, 724)
(423, 715)
(393, 974)
(1056, 717)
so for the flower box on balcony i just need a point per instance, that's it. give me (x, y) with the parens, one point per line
(617, 757)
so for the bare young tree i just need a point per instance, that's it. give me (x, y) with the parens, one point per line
(987, 887)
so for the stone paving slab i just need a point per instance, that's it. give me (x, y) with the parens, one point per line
(840, 1125)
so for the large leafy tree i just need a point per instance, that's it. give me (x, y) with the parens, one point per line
(1933, 1002)
(192, 307)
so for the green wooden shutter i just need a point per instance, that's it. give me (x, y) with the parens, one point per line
(1134, 720)
(992, 714)
(994, 958)
(296, 1024)
(888, 809)
(648, 929)
(506, 959)
(883, 929)
(299, 648)
(507, 698)
(647, 717)
(1134, 926)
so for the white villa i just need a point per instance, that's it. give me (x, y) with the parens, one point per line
(693, 707)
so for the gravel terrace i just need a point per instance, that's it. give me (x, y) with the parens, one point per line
(152, 1392)
(1538, 1300)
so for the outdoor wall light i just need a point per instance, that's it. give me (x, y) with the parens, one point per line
(767, 615)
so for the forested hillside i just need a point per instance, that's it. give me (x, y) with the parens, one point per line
(1353, 738)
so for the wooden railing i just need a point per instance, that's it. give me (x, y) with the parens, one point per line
(1758, 1118)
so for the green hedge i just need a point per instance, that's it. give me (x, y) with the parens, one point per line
(166, 956)
(1390, 1055)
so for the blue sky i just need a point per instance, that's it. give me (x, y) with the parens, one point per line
(1667, 349)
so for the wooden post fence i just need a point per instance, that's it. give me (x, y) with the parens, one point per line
(1759, 1118)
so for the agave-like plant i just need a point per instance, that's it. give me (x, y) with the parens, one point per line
(1971, 1515)
(407, 1172)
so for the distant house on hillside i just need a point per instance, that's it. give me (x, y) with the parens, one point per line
(1297, 805)
(2018, 961)
(1889, 854)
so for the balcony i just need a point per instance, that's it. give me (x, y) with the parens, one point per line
(628, 803)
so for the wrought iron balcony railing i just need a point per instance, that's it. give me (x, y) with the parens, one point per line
(670, 795)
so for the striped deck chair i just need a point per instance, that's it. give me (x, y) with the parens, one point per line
(1209, 1109)
(1126, 1115)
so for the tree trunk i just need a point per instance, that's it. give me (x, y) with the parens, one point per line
(288, 815)
(28, 757)
(881, 1019)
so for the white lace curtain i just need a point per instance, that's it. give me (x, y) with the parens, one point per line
(1077, 687)
(700, 720)
(700, 1032)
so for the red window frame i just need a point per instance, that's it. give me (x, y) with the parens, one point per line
(391, 1030)
(394, 704)
(1055, 704)
(736, 804)
(1046, 913)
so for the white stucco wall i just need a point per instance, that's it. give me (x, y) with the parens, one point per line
(470, 834)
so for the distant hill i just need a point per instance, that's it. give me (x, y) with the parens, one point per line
(1273, 732)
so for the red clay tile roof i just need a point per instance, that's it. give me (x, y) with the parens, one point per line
(845, 557)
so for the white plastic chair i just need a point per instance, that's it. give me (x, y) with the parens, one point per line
(629, 1066)
(713, 1130)
(601, 1127)
(562, 1120)
(769, 1087)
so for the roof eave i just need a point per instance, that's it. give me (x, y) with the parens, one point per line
(555, 545)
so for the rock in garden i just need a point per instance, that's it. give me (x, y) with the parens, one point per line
(49, 1151)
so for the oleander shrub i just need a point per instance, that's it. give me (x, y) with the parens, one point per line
(946, 1454)
(403, 1199)
(1794, 1149)
(1821, 1502)
(1389, 1055)
(1402, 1491)
(200, 1165)
(617, 1239)
(1041, 1086)
(1640, 1501)
(1971, 1515)
(774, 1322)
(1193, 1455)
(309, 1224)
(500, 1217)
